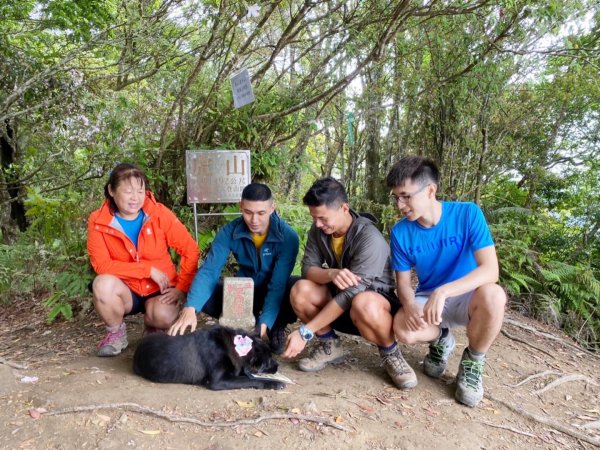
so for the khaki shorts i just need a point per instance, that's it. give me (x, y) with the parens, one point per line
(456, 309)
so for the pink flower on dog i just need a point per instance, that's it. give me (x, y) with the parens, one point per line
(243, 344)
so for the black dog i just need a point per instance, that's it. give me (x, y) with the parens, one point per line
(218, 358)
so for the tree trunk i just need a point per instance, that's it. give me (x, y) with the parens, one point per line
(16, 209)
(372, 131)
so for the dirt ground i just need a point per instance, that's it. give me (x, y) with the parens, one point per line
(47, 369)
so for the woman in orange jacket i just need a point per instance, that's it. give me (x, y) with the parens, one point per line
(128, 242)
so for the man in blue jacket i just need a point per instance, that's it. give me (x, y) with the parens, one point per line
(265, 248)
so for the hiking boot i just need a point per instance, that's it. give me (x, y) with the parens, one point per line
(469, 381)
(397, 368)
(436, 360)
(327, 351)
(113, 343)
(277, 339)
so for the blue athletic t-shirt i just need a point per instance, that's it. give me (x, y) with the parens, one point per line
(132, 227)
(444, 252)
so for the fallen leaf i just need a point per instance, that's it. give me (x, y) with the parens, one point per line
(432, 412)
(150, 432)
(258, 434)
(36, 413)
(295, 411)
(366, 408)
(339, 419)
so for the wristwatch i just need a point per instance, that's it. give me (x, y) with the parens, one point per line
(305, 333)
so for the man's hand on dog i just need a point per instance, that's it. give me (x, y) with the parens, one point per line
(187, 318)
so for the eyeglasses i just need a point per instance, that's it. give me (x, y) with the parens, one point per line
(395, 199)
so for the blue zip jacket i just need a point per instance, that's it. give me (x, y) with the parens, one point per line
(272, 269)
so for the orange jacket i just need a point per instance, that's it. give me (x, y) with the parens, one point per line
(112, 252)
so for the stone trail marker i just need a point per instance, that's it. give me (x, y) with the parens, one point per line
(238, 299)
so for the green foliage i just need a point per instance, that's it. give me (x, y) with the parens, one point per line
(299, 219)
(58, 305)
(566, 295)
(57, 220)
(69, 290)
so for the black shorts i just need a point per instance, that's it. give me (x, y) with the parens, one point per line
(138, 302)
(344, 323)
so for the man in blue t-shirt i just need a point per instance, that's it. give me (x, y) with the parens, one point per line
(449, 246)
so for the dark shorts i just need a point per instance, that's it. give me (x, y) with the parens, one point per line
(344, 323)
(214, 305)
(138, 302)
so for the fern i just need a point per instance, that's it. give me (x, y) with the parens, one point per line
(555, 291)
(58, 305)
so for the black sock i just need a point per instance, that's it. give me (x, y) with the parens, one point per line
(443, 333)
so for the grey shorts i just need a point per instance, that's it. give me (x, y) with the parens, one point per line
(456, 309)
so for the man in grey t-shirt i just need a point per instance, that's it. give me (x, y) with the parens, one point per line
(347, 284)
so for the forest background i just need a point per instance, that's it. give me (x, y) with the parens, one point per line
(503, 95)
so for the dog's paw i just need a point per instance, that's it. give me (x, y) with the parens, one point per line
(275, 385)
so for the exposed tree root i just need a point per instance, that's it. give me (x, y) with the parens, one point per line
(504, 427)
(565, 379)
(12, 364)
(134, 407)
(546, 421)
(523, 341)
(534, 376)
(532, 330)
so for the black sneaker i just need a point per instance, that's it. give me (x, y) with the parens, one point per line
(277, 338)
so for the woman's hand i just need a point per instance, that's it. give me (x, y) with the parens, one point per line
(159, 278)
(171, 296)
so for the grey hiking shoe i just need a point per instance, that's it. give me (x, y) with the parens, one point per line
(113, 343)
(324, 352)
(469, 381)
(436, 360)
(397, 368)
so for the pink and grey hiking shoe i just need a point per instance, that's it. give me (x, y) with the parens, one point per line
(113, 343)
